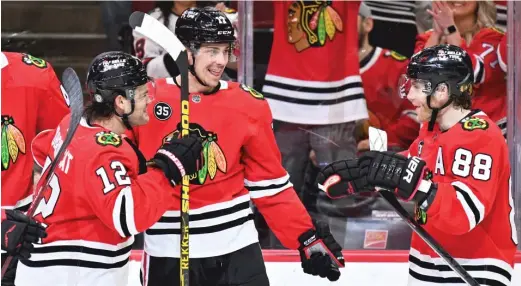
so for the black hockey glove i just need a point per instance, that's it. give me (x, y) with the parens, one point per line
(320, 254)
(179, 157)
(342, 178)
(408, 178)
(19, 232)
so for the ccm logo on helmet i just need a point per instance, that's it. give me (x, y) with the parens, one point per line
(411, 168)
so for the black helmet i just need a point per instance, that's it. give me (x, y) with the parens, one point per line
(113, 73)
(443, 64)
(204, 25)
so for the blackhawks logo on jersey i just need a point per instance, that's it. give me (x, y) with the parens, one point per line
(474, 123)
(252, 91)
(106, 138)
(34, 61)
(311, 23)
(13, 142)
(213, 156)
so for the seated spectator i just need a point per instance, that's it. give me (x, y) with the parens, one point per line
(397, 23)
(381, 70)
(470, 25)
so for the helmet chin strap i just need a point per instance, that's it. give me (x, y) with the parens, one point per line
(192, 71)
(124, 116)
(435, 111)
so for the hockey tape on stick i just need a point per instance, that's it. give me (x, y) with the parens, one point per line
(157, 32)
(71, 84)
(378, 142)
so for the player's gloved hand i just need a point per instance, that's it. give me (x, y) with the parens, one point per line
(179, 157)
(320, 254)
(19, 232)
(408, 178)
(342, 178)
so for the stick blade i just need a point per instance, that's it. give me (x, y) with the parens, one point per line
(157, 32)
(71, 84)
(377, 139)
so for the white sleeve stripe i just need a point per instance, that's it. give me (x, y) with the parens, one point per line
(470, 215)
(502, 64)
(116, 215)
(266, 183)
(129, 208)
(479, 70)
(124, 202)
(269, 192)
(468, 199)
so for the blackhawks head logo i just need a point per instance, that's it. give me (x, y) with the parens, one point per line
(13, 142)
(310, 23)
(213, 156)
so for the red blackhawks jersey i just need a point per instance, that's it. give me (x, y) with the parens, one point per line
(472, 214)
(32, 101)
(502, 53)
(313, 73)
(96, 202)
(381, 71)
(490, 94)
(241, 165)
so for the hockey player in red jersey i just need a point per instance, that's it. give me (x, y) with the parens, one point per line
(102, 192)
(470, 25)
(32, 101)
(241, 165)
(457, 171)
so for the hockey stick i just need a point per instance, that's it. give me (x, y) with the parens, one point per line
(378, 142)
(161, 35)
(72, 86)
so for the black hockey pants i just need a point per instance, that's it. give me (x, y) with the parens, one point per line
(244, 267)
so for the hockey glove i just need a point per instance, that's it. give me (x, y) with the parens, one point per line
(179, 157)
(342, 178)
(320, 254)
(408, 178)
(19, 232)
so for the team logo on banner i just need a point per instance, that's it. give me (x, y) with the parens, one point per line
(311, 23)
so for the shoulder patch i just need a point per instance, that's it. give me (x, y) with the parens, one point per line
(34, 61)
(229, 10)
(396, 56)
(105, 138)
(252, 91)
(474, 123)
(496, 29)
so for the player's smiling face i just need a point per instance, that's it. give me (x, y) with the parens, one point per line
(418, 97)
(210, 62)
(141, 100)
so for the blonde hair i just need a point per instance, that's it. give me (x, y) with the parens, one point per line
(485, 17)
